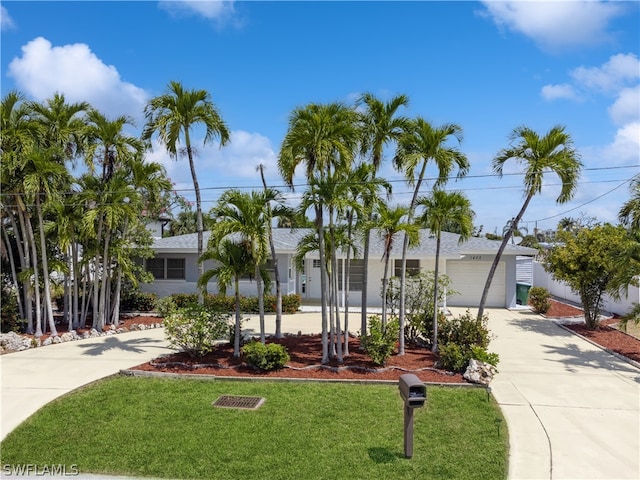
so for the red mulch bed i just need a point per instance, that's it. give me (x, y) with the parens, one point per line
(605, 336)
(306, 352)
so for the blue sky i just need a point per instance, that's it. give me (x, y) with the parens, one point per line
(487, 66)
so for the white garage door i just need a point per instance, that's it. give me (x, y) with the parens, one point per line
(468, 279)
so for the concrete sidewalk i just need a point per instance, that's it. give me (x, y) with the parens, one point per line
(572, 410)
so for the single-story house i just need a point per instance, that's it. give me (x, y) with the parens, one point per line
(467, 264)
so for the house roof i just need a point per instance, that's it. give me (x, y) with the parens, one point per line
(286, 241)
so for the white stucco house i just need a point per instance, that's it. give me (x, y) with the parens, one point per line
(467, 264)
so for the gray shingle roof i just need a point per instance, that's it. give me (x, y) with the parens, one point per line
(286, 241)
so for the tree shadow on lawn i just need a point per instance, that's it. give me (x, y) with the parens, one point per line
(134, 345)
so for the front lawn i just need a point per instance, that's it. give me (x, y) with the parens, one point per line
(168, 428)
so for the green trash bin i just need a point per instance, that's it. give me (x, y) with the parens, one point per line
(522, 293)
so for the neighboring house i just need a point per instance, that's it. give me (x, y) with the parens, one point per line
(467, 265)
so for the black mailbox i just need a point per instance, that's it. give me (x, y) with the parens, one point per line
(412, 390)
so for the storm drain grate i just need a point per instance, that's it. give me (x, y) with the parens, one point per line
(235, 401)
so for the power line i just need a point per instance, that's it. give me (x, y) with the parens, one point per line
(588, 202)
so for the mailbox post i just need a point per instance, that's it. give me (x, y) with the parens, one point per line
(414, 394)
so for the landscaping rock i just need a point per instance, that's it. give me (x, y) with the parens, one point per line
(47, 342)
(13, 342)
(479, 372)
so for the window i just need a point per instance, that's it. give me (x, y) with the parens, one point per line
(316, 263)
(413, 268)
(166, 268)
(356, 275)
(155, 266)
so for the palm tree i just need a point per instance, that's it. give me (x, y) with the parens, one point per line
(630, 211)
(322, 137)
(233, 261)
(17, 138)
(58, 129)
(439, 208)
(391, 222)
(114, 152)
(381, 126)
(175, 114)
(552, 152)
(421, 144)
(248, 215)
(274, 259)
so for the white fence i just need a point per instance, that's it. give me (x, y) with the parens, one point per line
(561, 290)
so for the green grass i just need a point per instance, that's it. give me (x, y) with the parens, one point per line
(168, 428)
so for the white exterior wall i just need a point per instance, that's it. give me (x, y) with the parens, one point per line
(562, 291)
(164, 288)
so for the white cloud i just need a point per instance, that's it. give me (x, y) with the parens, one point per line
(625, 148)
(562, 91)
(234, 165)
(626, 108)
(6, 22)
(222, 12)
(78, 73)
(557, 24)
(619, 71)
(244, 153)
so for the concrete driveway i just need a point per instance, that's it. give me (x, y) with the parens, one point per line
(573, 410)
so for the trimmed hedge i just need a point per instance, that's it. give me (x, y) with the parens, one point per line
(227, 303)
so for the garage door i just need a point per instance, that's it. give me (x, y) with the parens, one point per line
(468, 279)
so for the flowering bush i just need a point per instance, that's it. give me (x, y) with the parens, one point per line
(195, 329)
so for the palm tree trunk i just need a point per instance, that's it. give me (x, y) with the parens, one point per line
(405, 247)
(115, 308)
(36, 276)
(496, 260)
(274, 259)
(236, 338)
(323, 284)
(45, 271)
(334, 262)
(99, 321)
(365, 281)
(260, 303)
(22, 242)
(199, 224)
(76, 278)
(385, 282)
(14, 275)
(434, 344)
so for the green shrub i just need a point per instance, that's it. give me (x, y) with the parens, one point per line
(418, 303)
(10, 319)
(465, 330)
(452, 358)
(166, 306)
(481, 354)
(540, 299)
(265, 357)
(195, 329)
(380, 342)
(462, 339)
(227, 303)
(183, 300)
(136, 301)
